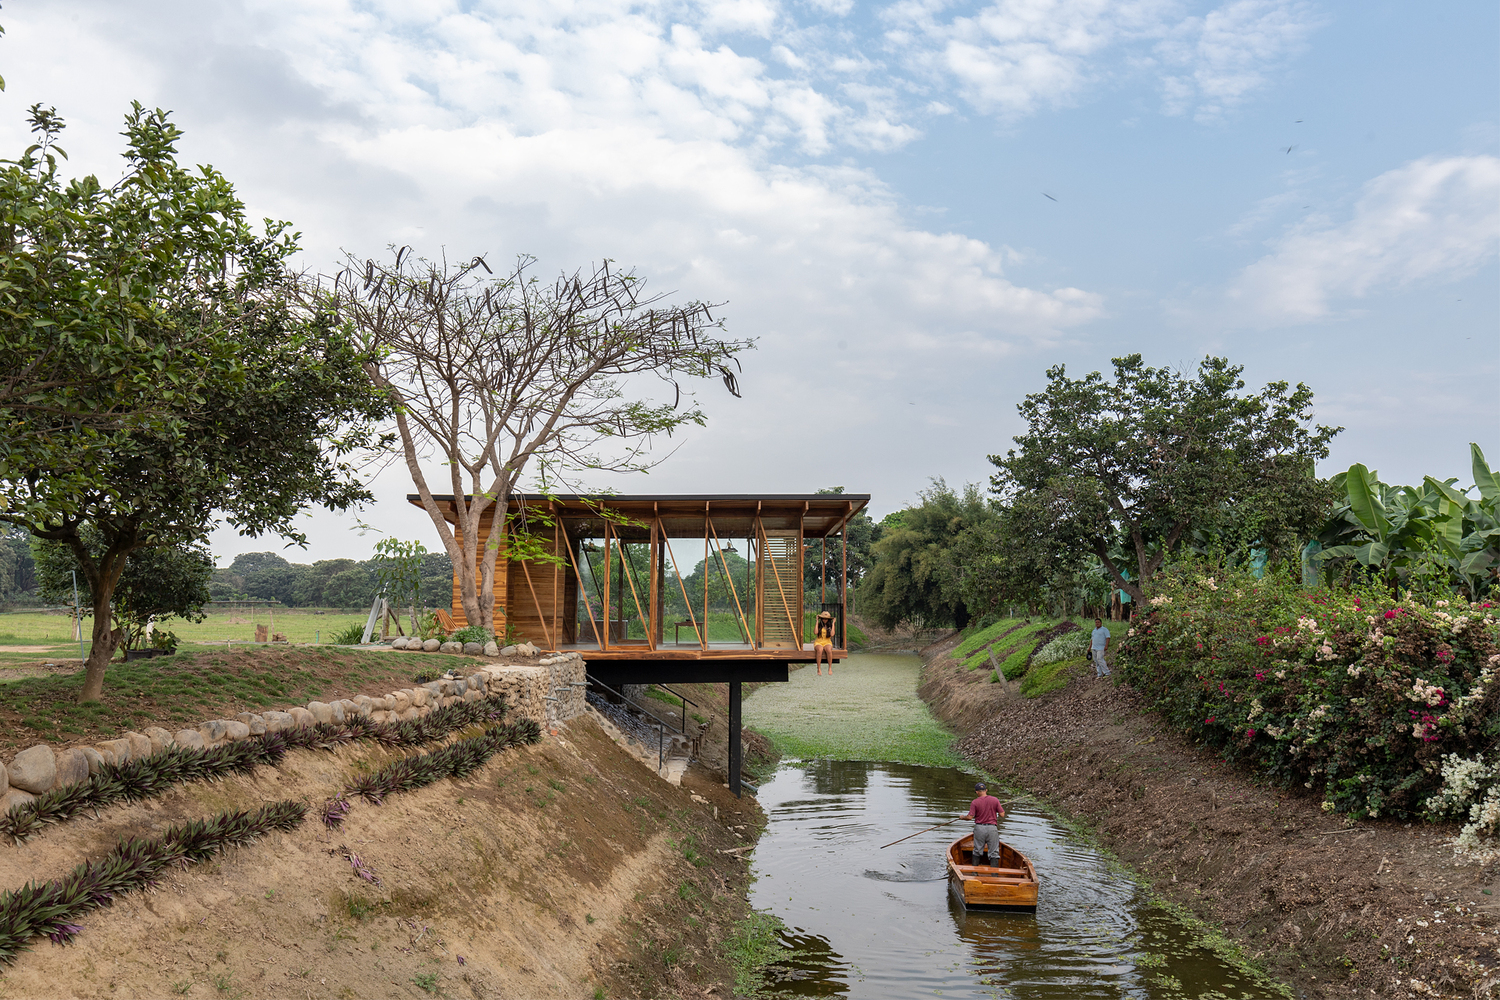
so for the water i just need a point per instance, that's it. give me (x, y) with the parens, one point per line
(872, 923)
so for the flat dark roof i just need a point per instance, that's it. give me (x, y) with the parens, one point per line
(682, 513)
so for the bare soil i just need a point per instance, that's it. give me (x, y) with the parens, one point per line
(566, 869)
(1335, 907)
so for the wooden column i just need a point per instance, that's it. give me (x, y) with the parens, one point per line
(844, 579)
(736, 751)
(654, 632)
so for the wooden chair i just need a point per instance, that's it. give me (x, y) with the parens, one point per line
(445, 622)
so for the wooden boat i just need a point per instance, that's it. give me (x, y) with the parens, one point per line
(1010, 885)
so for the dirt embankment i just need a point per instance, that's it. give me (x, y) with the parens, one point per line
(566, 869)
(1337, 908)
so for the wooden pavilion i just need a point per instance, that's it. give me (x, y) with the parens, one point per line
(606, 575)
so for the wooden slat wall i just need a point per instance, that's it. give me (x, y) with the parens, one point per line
(459, 617)
(525, 616)
(514, 597)
(781, 606)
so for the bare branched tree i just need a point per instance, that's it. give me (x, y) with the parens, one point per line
(498, 374)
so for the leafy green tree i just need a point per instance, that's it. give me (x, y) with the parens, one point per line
(255, 405)
(17, 567)
(398, 572)
(350, 588)
(861, 534)
(437, 581)
(158, 583)
(1017, 557)
(309, 591)
(1155, 454)
(97, 337)
(916, 579)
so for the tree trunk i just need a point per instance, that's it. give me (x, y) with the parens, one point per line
(105, 641)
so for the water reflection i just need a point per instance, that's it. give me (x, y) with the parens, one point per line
(875, 923)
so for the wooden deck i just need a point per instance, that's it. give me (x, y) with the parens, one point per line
(692, 651)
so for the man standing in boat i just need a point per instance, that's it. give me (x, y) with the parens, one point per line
(985, 811)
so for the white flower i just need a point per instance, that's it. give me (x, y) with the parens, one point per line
(1160, 600)
(1355, 670)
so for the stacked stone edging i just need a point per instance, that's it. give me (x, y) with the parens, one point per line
(549, 693)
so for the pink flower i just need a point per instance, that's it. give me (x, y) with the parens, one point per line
(1260, 675)
(1208, 721)
(1250, 734)
(1389, 615)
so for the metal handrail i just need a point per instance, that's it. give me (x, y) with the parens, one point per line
(686, 701)
(661, 724)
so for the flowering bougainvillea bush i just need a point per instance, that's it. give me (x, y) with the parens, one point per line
(1352, 692)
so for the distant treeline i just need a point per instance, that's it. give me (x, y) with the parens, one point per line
(327, 583)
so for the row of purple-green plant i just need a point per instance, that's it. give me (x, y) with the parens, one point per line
(1354, 693)
(148, 777)
(456, 760)
(52, 909)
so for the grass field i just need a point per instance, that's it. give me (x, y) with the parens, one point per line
(39, 627)
(192, 687)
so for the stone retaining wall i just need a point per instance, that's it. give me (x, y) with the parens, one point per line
(550, 692)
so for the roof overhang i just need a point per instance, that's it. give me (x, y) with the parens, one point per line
(681, 515)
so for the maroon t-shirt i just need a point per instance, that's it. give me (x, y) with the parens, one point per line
(985, 810)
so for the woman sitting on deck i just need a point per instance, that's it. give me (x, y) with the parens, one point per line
(823, 641)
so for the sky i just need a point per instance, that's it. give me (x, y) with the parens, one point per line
(916, 208)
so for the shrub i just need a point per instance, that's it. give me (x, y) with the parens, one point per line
(470, 633)
(1068, 646)
(350, 636)
(1353, 692)
(1471, 791)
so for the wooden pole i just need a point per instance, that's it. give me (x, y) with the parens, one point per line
(654, 580)
(703, 635)
(919, 832)
(556, 569)
(729, 579)
(844, 580)
(607, 568)
(583, 591)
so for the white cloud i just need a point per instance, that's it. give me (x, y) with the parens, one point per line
(1434, 219)
(1216, 60)
(1017, 57)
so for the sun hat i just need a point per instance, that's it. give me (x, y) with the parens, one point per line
(825, 614)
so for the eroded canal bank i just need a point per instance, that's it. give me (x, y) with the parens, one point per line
(863, 921)
(1337, 908)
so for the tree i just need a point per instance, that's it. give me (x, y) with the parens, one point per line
(261, 402)
(398, 572)
(349, 588)
(310, 588)
(1155, 454)
(158, 584)
(914, 580)
(93, 345)
(860, 535)
(499, 374)
(17, 567)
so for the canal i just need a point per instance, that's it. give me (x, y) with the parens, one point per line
(867, 922)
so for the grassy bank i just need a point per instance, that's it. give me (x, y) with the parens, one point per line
(191, 687)
(867, 710)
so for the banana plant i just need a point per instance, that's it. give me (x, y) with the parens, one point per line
(1396, 532)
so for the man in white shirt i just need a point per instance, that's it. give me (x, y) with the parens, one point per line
(1098, 643)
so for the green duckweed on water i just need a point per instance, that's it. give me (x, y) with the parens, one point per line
(868, 710)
